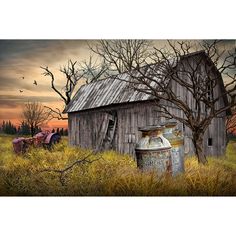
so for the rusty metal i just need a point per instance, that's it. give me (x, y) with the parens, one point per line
(48, 138)
(39, 138)
(177, 150)
(18, 145)
(45, 139)
(153, 151)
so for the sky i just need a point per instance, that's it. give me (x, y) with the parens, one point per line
(23, 58)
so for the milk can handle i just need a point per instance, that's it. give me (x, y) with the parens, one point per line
(165, 141)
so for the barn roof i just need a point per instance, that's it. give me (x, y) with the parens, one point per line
(109, 91)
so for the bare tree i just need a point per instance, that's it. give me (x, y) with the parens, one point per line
(71, 76)
(121, 55)
(34, 114)
(111, 57)
(171, 67)
(93, 69)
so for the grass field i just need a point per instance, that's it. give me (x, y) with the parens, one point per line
(32, 174)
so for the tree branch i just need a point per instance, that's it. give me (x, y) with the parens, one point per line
(55, 114)
(62, 172)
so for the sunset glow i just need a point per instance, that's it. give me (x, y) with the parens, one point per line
(20, 62)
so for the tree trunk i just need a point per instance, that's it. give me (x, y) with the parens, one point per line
(198, 144)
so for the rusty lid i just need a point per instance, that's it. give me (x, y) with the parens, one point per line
(151, 128)
(170, 123)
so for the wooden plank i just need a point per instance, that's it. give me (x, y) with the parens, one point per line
(102, 131)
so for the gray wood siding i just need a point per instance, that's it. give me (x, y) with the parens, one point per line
(87, 129)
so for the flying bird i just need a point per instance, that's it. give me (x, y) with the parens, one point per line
(21, 91)
(35, 82)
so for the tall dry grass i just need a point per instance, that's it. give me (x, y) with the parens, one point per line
(112, 175)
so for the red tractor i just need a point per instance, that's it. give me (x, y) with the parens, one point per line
(45, 139)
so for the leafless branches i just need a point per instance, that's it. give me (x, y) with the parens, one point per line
(93, 70)
(202, 96)
(62, 172)
(121, 55)
(35, 115)
(55, 113)
(71, 75)
(113, 57)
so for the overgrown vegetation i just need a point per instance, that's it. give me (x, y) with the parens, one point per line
(112, 175)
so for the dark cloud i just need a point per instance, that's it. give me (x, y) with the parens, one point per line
(15, 48)
(14, 100)
(26, 52)
(24, 58)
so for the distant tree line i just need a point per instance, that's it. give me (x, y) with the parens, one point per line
(8, 128)
(24, 129)
(62, 131)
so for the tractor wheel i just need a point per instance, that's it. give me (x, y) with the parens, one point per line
(54, 140)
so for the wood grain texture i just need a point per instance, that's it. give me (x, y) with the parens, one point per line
(92, 107)
(89, 129)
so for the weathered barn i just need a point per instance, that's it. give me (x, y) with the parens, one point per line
(106, 114)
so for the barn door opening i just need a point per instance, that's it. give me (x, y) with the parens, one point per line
(107, 131)
(111, 129)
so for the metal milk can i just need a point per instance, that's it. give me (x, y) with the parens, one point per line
(153, 150)
(177, 150)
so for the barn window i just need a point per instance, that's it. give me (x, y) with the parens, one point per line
(210, 90)
(210, 142)
(183, 127)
